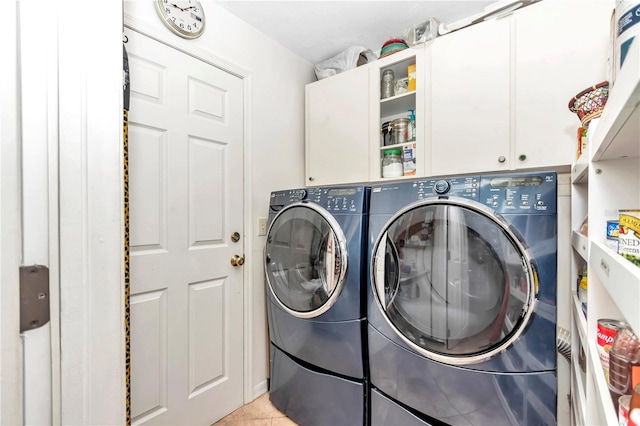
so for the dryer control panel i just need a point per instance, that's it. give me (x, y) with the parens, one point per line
(465, 187)
(532, 193)
(515, 193)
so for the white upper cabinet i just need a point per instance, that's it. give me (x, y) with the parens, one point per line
(470, 97)
(560, 49)
(337, 129)
(490, 97)
(500, 89)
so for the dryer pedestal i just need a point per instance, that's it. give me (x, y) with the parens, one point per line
(313, 398)
(386, 412)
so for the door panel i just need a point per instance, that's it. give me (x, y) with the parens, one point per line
(185, 155)
(149, 353)
(470, 121)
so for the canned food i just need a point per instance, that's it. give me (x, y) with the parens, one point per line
(607, 330)
(629, 235)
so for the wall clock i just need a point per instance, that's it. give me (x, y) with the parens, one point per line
(184, 18)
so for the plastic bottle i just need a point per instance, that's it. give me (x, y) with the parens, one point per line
(412, 126)
(634, 407)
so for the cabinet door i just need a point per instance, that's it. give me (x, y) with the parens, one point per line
(561, 49)
(470, 120)
(337, 128)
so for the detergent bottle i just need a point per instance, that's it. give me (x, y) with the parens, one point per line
(412, 126)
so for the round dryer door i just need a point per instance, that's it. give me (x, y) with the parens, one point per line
(453, 280)
(305, 259)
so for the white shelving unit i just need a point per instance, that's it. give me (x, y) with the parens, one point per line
(606, 179)
(398, 106)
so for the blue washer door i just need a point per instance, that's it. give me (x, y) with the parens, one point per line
(305, 259)
(453, 280)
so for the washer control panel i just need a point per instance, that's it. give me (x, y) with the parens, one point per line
(345, 199)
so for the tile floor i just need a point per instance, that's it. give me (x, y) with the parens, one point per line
(257, 413)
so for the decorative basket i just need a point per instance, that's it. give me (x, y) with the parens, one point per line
(589, 103)
(392, 46)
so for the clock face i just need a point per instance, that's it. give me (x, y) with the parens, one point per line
(185, 18)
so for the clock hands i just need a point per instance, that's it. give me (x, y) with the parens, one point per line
(182, 9)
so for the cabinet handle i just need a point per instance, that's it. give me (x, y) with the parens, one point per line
(310, 179)
(522, 157)
(501, 159)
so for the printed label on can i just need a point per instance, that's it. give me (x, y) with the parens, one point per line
(628, 16)
(612, 229)
(607, 330)
(629, 235)
(628, 19)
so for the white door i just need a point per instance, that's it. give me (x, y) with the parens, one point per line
(337, 128)
(470, 99)
(186, 201)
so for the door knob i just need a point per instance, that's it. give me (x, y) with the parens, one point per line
(237, 260)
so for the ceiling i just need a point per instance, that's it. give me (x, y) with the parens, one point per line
(319, 30)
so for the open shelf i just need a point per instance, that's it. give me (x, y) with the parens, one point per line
(604, 403)
(398, 104)
(618, 132)
(581, 321)
(621, 278)
(580, 170)
(579, 395)
(581, 244)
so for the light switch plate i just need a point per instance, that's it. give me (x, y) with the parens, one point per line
(262, 226)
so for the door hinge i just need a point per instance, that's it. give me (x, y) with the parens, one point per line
(34, 297)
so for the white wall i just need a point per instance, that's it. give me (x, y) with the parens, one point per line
(275, 132)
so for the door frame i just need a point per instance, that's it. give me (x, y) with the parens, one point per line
(190, 49)
(10, 227)
(91, 233)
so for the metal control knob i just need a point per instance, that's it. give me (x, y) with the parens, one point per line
(237, 260)
(441, 187)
